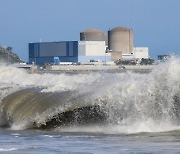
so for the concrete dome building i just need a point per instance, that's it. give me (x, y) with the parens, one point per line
(120, 41)
(93, 35)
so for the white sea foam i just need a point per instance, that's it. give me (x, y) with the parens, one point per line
(49, 136)
(133, 102)
(10, 76)
(140, 127)
(6, 150)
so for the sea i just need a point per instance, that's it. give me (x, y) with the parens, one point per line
(91, 112)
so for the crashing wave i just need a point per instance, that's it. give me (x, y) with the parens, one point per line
(106, 99)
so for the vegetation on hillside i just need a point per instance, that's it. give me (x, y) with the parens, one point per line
(7, 56)
(143, 61)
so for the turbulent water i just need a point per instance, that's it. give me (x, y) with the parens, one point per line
(102, 105)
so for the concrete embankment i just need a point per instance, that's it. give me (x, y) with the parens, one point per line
(92, 68)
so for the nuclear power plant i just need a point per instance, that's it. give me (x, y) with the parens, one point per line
(94, 45)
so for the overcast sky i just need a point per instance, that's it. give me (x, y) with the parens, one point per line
(156, 23)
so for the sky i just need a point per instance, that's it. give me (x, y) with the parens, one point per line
(156, 23)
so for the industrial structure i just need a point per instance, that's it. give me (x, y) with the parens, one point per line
(120, 41)
(163, 58)
(44, 52)
(137, 54)
(93, 35)
(94, 45)
(67, 51)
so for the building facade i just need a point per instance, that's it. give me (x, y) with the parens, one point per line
(136, 54)
(141, 52)
(92, 50)
(67, 51)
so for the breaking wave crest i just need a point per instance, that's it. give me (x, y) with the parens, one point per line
(93, 102)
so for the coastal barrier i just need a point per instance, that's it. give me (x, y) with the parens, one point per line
(109, 68)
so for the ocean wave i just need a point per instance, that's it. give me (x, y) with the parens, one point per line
(128, 102)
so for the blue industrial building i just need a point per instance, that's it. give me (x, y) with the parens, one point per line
(44, 52)
(67, 51)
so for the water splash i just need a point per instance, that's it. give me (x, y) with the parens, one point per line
(131, 102)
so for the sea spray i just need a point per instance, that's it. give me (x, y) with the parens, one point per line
(129, 101)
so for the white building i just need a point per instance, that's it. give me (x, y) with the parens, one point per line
(92, 50)
(141, 52)
(138, 53)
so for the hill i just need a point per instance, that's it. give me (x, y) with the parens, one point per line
(7, 56)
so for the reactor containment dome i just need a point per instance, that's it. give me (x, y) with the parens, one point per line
(120, 41)
(93, 35)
